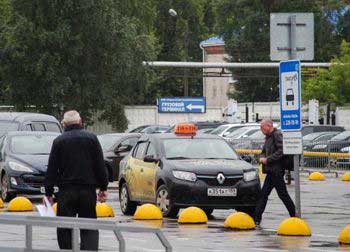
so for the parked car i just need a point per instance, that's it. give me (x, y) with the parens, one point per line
(201, 125)
(185, 169)
(23, 162)
(23, 121)
(243, 132)
(308, 129)
(115, 147)
(226, 129)
(150, 129)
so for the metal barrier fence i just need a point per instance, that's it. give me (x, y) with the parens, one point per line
(76, 224)
(328, 155)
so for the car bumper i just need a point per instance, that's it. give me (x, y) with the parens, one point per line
(184, 194)
(26, 184)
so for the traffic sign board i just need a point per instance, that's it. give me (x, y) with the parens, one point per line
(290, 96)
(182, 105)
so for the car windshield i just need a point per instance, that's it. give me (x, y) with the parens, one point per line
(341, 136)
(7, 126)
(312, 136)
(32, 144)
(107, 141)
(182, 148)
(257, 135)
(243, 131)
(219, 129)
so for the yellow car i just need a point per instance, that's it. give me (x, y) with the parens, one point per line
(181, 169)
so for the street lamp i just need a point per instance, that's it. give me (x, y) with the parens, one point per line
(173, 13)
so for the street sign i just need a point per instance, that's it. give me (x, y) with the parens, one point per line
(291, 33)
(292, 142)
(290, 97)
(182, 105)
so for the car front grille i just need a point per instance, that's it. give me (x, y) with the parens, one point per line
(35, 181)
(213, 181)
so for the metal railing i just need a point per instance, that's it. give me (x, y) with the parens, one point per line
(76, 224)
(324, 155)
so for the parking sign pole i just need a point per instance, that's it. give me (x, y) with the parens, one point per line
(293, 55)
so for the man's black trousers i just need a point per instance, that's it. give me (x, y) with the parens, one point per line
(274, 180)
(81, 202)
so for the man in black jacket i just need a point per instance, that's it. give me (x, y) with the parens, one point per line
(272, 160)
(76, 166)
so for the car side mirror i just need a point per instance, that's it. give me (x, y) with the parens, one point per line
(150, 159)
(122, 148)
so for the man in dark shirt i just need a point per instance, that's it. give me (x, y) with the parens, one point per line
(77, 167)
(272, 160)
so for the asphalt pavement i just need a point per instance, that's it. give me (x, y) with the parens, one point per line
(325, 206)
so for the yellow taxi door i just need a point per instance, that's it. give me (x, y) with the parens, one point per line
(135, 170)
(148, 175)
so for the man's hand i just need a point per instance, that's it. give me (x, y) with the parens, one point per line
(50, 199)
(102, 196)
(263, 161)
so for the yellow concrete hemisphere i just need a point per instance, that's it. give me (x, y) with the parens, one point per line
(239, 220)
(346, 177)
(1, 204)
(294, 227)
(104, 210)
(317, 176)
(20, 204)
(344, 236)
(148, 212)
(192, 215)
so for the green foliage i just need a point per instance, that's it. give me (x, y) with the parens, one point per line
(331, 85)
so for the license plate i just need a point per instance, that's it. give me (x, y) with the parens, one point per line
(55, 189)
(222, 192)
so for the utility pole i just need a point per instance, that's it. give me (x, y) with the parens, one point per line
(186, 42)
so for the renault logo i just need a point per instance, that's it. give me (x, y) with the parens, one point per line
(220, 178)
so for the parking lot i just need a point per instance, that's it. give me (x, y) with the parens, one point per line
(325, 206)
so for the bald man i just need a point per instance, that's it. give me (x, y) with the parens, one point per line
(272, 154)
(77, 167)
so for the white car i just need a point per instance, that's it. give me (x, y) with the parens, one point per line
(226, 129)
(243, 132)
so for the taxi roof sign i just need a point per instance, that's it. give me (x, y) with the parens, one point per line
(185, 129)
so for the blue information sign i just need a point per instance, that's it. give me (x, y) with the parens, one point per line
(290, 97)
(182, 105)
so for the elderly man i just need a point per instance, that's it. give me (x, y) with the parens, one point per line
(76, 166)
(272, 160)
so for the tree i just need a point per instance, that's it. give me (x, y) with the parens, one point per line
(81, 54)
(331, 85)
(245, 27)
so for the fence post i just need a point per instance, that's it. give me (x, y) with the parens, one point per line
(29, 237)
(75, 240)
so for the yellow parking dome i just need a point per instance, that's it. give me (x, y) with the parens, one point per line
(344, 236)
(346, 176)
(192, 215)
(104, 210)
(294, 227)
(148, 212)
(1, 204)
(239, 220)
(317, 176)
(20, 204)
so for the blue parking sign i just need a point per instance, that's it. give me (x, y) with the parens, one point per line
(290, 95)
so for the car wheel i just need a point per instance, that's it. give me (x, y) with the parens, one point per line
(247, 209)
(5, 188)
(164, 202)
(208, 211)
(127, 206)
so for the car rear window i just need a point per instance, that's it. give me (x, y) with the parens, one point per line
(7, 126)
(53, 127)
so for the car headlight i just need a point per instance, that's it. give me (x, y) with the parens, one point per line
(249, 176)
(189, 176)
(19, 167)
(320, 146)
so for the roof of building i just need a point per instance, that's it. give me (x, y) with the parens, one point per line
(213, 41)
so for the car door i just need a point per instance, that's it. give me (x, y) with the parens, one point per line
(2, 154)
(148, 174)
(134, 170)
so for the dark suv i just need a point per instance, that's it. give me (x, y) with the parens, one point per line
(23, 121)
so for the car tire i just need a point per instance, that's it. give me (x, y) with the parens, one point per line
(208, 211)
(127, 206)
(164, 203)
(247, 209)
(5, 187)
